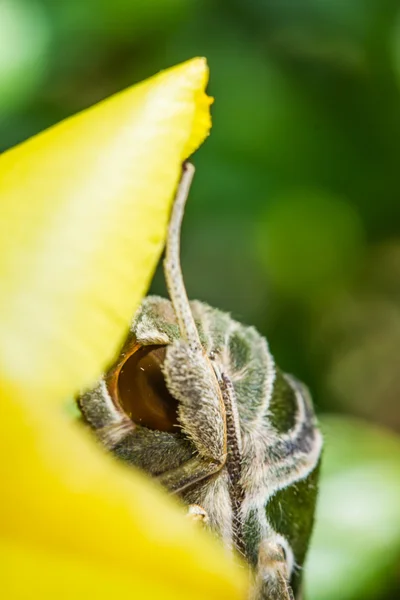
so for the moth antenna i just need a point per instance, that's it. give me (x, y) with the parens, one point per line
(172, 264)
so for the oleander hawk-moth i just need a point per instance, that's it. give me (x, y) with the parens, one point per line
(196, 400)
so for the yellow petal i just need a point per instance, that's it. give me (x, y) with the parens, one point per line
(64, 577)
(84, 207)
(63, 497)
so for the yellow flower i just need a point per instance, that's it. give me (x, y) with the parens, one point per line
(83, 214)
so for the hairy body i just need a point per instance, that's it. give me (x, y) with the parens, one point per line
(195, 399)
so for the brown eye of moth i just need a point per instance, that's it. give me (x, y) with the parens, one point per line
(142, 392)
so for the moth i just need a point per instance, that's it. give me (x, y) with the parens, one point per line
(196, 400)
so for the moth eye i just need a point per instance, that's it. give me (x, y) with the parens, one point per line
(142, 392)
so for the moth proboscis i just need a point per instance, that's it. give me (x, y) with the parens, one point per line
(196, 400)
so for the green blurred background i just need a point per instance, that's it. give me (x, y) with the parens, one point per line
(294, 220)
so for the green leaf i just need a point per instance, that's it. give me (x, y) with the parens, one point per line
(24, 44)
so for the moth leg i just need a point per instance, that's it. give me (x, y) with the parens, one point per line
(272, 577)
(190, 379)
(197, 513)
(194, 470)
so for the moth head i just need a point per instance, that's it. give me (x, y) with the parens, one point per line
(136, 382)
(131, 409)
